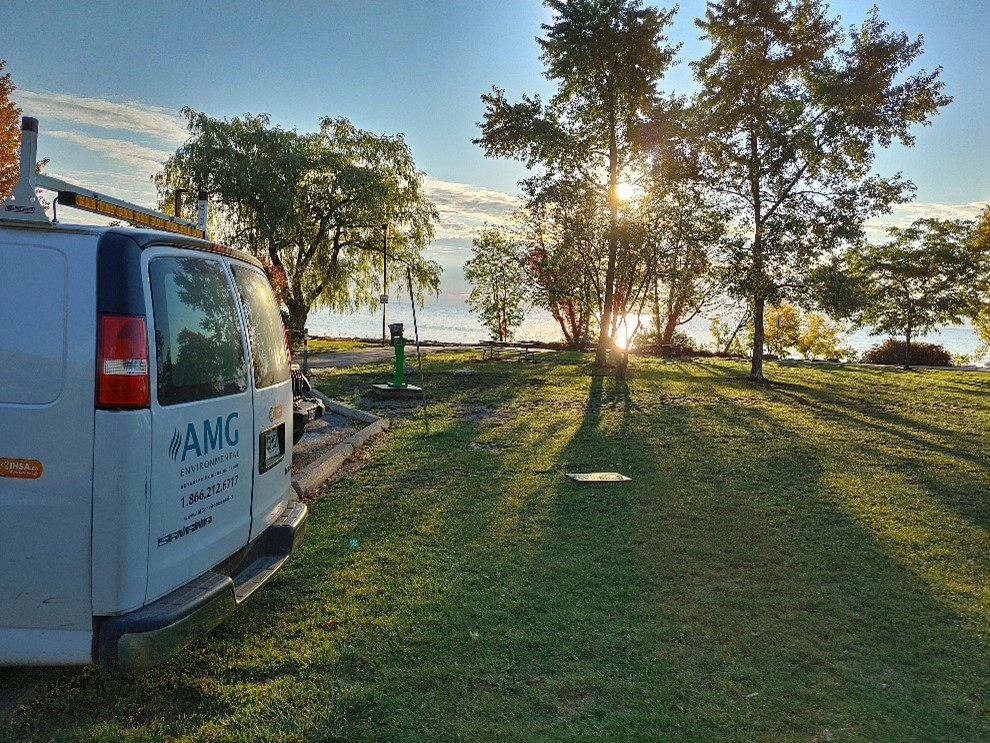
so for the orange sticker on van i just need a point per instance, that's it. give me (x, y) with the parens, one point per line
(26, 469)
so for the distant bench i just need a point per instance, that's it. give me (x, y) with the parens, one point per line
(523, 351)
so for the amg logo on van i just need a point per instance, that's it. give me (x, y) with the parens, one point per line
(215, 434)
(179, 533)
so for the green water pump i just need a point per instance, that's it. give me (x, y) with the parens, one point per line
(399, 344)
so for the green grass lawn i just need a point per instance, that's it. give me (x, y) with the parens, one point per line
(804, 562)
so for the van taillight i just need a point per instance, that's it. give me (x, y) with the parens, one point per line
(122, 374)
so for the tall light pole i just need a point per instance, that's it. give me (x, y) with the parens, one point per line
(384, 297)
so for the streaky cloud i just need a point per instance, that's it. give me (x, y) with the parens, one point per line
(902, 215)
(119, 151)
(79, 111)
(466, 209)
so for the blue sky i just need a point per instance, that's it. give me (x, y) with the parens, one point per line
(107, 80)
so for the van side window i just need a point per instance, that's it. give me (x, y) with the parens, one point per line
(197, 334)
(264, 326)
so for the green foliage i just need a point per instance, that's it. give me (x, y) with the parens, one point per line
(895, 352)
(314, 207)
(652, 340)
(795, 110)
(686, 231)
(981, 324)
(727, 340)
(978, 246)
(821, 338)
(499, 283)
(918, 281)
(560, 228)
(607, 57)
(10, 135)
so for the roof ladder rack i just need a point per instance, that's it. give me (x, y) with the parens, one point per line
(23, 205)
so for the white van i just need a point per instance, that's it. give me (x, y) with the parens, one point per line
(145, 438)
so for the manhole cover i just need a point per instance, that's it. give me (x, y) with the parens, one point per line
(597, 477)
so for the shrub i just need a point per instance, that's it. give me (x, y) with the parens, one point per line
(648, 341)
(892, 351)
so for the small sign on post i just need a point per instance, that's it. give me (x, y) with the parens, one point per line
(383, 299)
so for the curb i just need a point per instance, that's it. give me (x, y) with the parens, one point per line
(316, 473)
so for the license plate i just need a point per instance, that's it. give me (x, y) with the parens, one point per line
(271, 447)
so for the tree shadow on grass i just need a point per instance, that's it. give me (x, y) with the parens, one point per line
(760, 587)
(908, 443)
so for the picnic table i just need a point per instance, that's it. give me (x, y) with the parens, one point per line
(523, 350)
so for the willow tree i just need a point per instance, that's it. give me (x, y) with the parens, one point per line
(324, 211)
(608, 57)
(795, 109)
(979, 300)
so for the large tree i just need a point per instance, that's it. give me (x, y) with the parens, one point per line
(687, 230)
(795, 109)
(316, 208)
(921, 279)
(608, 57)
(10, 135)
(499, 287)
(561, 229)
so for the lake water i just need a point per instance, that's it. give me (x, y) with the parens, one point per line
(453, 322)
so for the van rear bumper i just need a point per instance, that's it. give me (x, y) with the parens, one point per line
(149, 635)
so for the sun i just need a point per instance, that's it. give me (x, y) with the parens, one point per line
(624, 190)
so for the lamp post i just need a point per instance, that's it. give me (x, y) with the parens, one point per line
(384, 297)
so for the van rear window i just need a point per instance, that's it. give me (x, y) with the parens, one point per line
(197, 335)
(264, 326)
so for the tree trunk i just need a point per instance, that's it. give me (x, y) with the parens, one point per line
(760, 298)
(298, 313)
(728, 343)
(621, 362)
(604, 338)
(669, 328)
(907, 348)
(756, 368)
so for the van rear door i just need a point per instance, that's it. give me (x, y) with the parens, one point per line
(272, 388)
(202, 419)
(47, 336)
